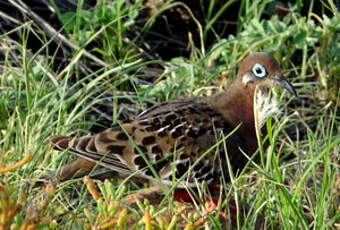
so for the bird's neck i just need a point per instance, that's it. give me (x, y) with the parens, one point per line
(236, 105)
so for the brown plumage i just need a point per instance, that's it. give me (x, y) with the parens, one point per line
(175, 139)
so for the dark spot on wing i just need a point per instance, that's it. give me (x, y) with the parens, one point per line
(205, 170)
(201, 131)
(170, 118)
(116, 149)
(177, 122)
(183, 119)
(181, 169)
(140, 162)
(150, 128)
(192, 110)
(180, 113)
(160, 163)
(162, 133)
(122, 136)
(143, 123)
(192, 133)
(148, 172)
(198, 166)
(183, 156)
(149, 140)
(217, 124)
(166, 123)
(176, 132)
(209, 177)
(158, 157)
(210, 111)
(156, 121)
(156, 149)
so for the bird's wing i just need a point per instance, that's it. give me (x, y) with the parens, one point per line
(169, 137)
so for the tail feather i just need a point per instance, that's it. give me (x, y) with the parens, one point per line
(59, 142)
(85, 147)
(91, 148)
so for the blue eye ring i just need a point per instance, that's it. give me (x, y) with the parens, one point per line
(259, 70)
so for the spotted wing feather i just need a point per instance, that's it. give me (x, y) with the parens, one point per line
(170, 137)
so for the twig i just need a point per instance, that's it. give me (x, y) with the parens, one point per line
(9, 18)
(52, 33)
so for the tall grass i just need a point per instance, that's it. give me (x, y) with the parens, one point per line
(298, 193)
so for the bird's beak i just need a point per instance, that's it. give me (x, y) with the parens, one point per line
(282, 81)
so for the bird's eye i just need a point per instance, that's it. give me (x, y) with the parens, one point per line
(259, 70)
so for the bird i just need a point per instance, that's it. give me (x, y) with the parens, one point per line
(186, 140)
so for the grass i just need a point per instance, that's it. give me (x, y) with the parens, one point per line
(280, 192)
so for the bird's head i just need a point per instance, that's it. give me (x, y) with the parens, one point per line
(261, 70)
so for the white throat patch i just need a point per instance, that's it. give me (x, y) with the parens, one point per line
(247, 78)
(265, 106)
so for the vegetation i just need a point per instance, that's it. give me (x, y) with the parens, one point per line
(296, 184)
